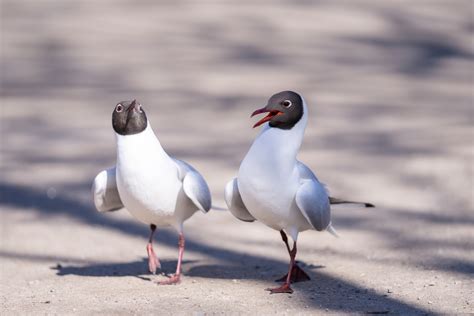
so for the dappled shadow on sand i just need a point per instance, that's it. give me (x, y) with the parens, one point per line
(324, 290)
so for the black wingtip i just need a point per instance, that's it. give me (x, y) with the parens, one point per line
(369, 205)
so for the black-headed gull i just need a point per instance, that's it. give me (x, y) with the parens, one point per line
(275, 188)
(155, 188)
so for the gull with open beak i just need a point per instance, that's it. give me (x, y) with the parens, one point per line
(155, 188)
(273, 187)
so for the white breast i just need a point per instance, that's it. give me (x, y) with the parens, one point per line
(268, 177)
(147, 178)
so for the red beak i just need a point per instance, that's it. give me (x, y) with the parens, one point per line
(271, 114)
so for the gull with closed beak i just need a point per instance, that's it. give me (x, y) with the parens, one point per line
(155, 188)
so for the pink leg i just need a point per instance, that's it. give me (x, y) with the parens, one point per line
(153, 262)
(286, 288)
(297, 274)
(176, 278)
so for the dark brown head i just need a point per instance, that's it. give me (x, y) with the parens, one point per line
(284, 109)
(129, 118)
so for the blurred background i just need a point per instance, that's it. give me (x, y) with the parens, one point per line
(389, 85)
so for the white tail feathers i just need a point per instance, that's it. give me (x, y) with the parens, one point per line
(330, 229)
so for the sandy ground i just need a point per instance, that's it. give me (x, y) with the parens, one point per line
(389, 84)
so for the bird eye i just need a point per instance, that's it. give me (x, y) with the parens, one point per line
(286, 103)
(119, 108)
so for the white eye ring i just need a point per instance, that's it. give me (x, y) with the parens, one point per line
(119, 108)
(287, 103)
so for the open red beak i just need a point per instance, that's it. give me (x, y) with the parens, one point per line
(271, 114)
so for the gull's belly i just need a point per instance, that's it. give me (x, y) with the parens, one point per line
(272, 203)
(148, 196)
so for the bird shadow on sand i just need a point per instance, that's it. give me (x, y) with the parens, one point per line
(249, 270)
(120, 269)
(117, 269)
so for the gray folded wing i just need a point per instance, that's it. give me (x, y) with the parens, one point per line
(194, 186)
(104, 191)
(234, 202)
(313, 202)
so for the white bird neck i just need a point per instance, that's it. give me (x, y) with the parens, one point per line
(145, 141)
(279, 147)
